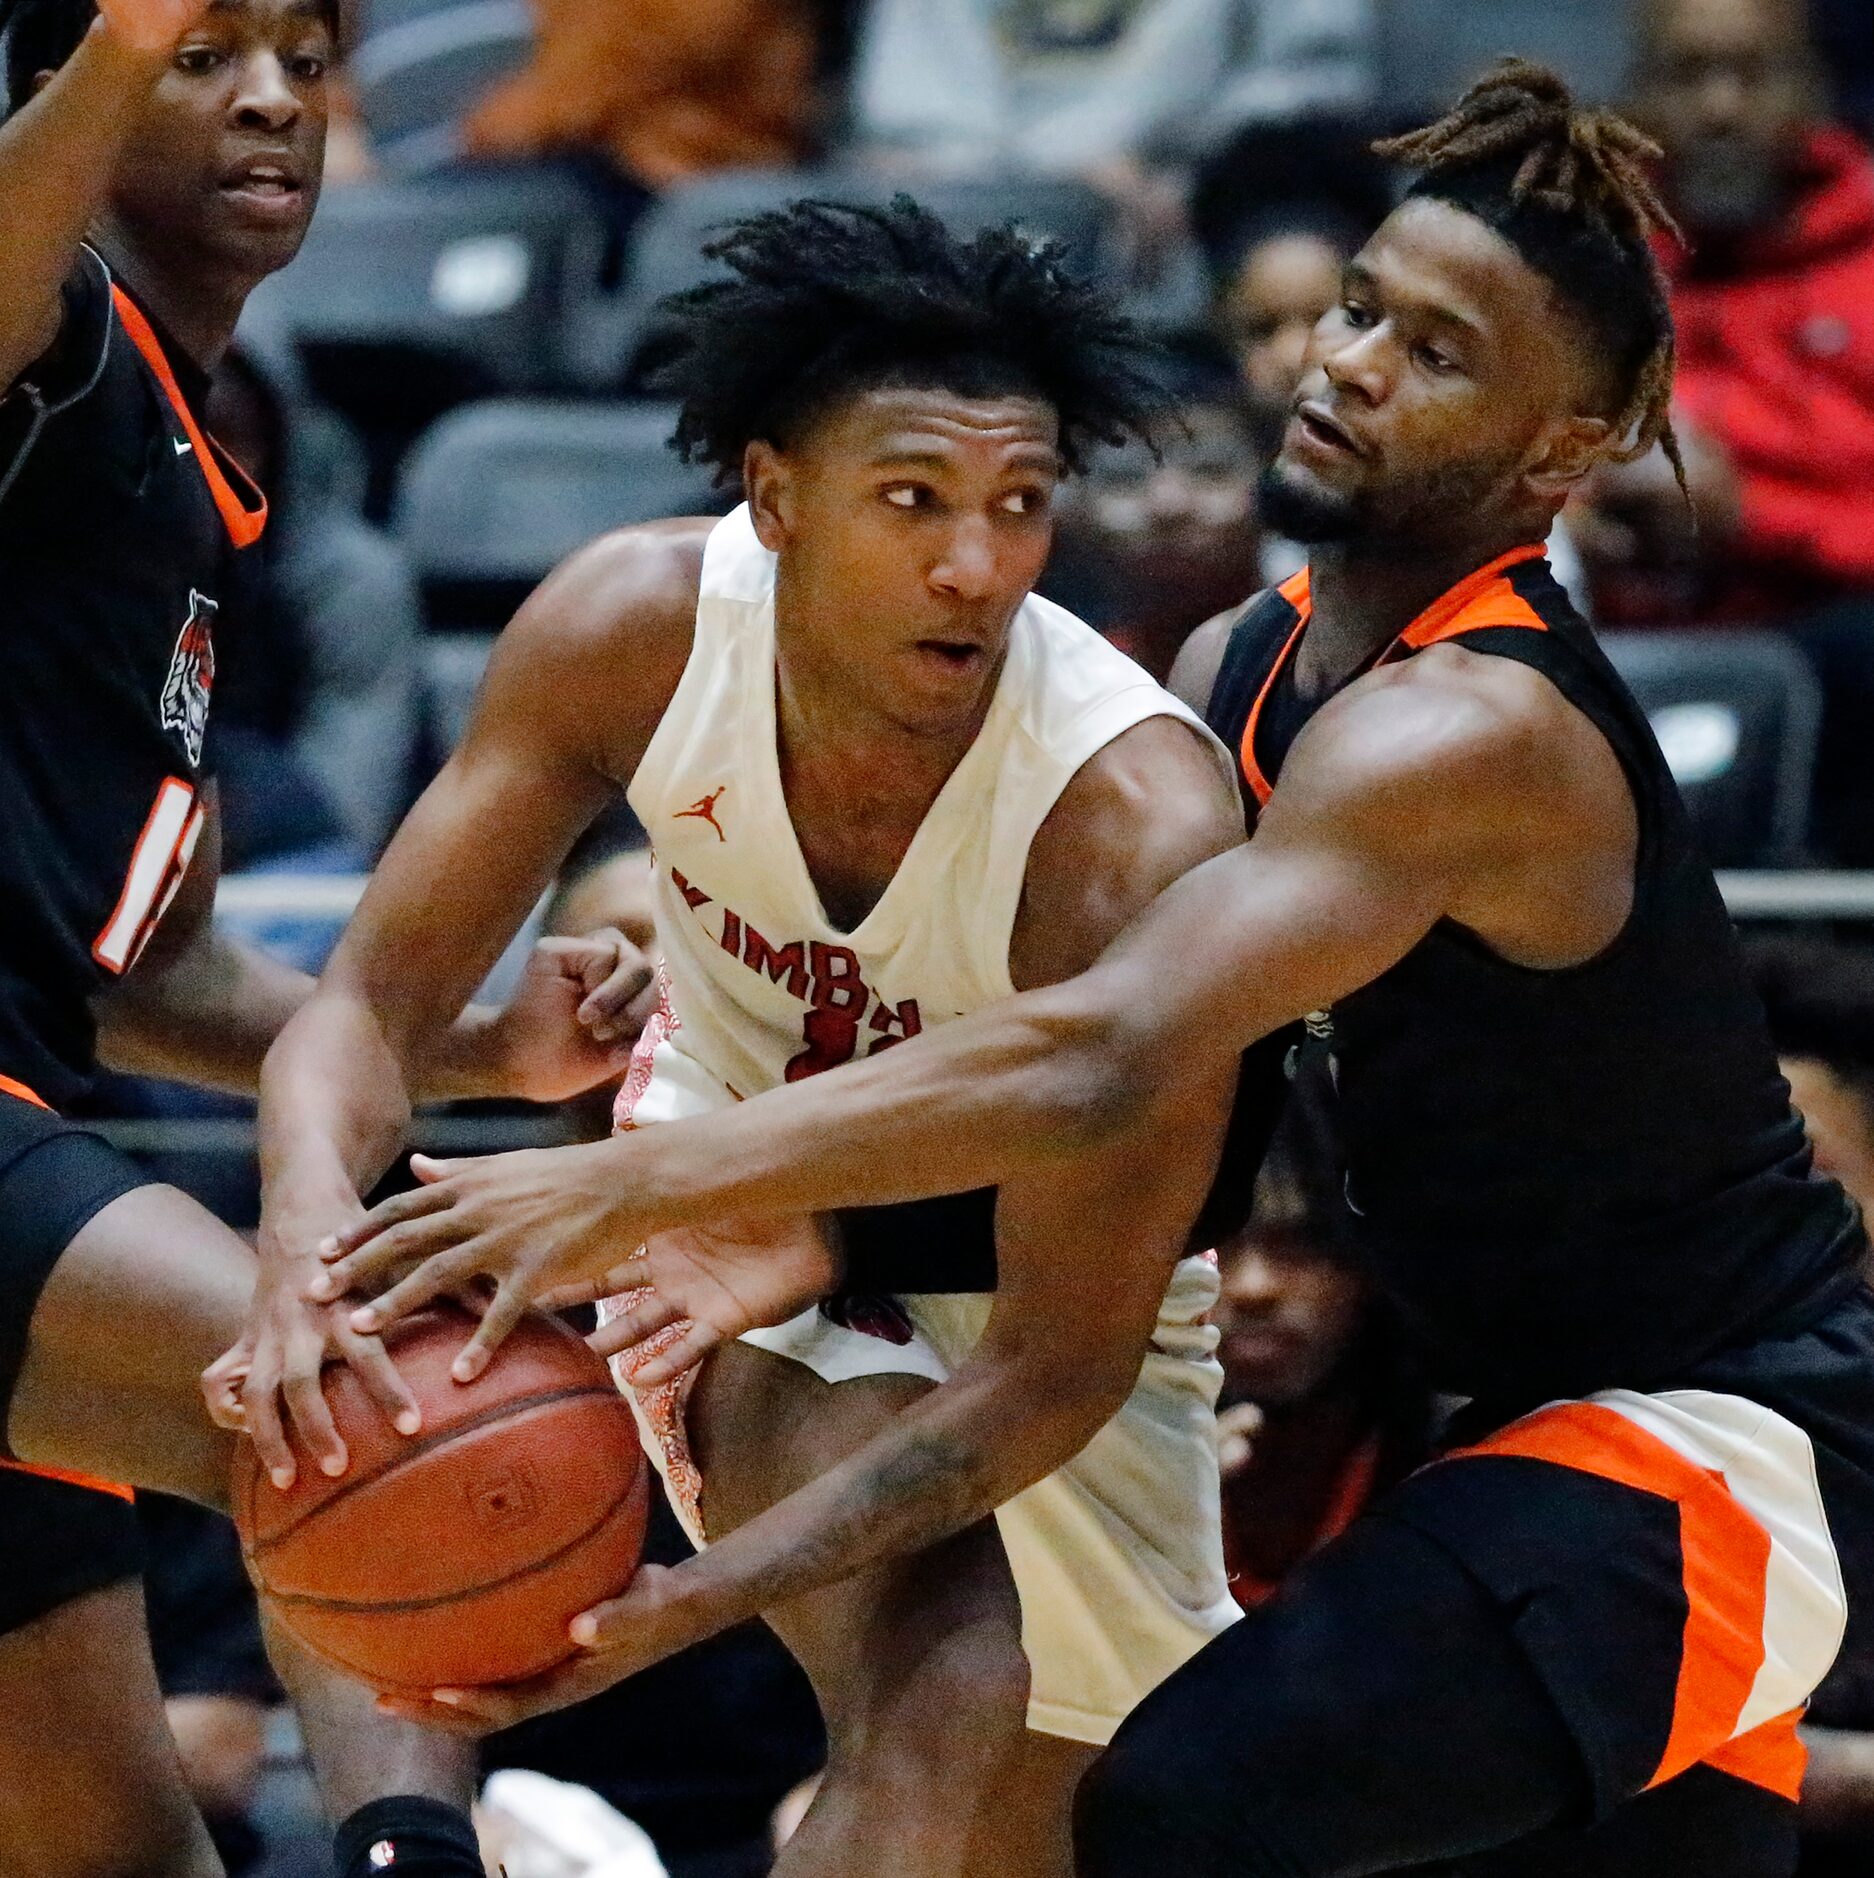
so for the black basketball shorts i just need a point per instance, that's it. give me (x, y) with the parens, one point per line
(60, 1536)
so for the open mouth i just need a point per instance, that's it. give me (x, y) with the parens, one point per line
(1321, 429)
(264, 181)
(958, 654)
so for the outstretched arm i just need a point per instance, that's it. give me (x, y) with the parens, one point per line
(1442, 789)
(57, 155)
(573, 691)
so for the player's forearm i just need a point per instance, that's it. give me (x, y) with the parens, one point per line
(56, 160)
(943, 1465)
(208, 1017)
(1010, 1089)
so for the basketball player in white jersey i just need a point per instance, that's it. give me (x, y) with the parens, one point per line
(886, 785)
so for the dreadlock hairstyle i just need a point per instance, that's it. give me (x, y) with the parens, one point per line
(1568, 188)
(40, 36)
(823, 300)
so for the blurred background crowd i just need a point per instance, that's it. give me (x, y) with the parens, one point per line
(445, 395)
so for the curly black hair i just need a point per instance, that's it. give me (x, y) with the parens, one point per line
(823, 300)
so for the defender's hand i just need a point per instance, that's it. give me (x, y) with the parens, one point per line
(534, 1221)
(574, 1016)
(150, 26)
(273, 1375)
(708, 1287)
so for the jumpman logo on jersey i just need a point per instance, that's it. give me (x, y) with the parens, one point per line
(705, 811)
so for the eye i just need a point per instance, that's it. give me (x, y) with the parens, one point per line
(309, 67)
(1356, 315)
(197, 60)
(1434, 359)
(1022, 501)
(906, 495)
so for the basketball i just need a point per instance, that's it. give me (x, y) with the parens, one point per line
(459, 1555)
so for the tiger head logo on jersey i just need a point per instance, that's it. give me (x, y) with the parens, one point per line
(183, 706)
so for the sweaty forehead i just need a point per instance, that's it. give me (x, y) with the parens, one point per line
(899, 421)
(1442, 263)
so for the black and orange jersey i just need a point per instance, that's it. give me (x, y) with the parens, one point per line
(1566, 1180)
(123, 532)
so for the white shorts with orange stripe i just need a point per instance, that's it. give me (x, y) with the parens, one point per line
(1117, 1558)
(1671, 1563)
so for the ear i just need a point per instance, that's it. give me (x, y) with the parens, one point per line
(770, 488)
(1568, 449)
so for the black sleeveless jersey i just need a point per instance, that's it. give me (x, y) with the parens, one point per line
(1566, 1180)
(122, 539)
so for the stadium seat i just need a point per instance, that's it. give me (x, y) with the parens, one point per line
(1736, 714)
(607, 335)
(497, 494)
(411, 298)
(420, 66)
(1430, 50)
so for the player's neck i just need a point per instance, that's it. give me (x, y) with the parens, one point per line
(1362, 598)
(196, 306)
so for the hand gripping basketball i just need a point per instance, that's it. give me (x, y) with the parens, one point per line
(150, 25)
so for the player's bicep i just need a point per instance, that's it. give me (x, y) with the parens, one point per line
(1152, 805)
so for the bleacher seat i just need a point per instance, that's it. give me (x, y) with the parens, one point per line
(420, 66)
(607, 334)
(1431, 50)
(1736, 714)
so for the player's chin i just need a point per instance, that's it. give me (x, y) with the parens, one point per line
(261, 229)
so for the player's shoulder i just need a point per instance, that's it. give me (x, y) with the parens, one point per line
(1195, 671)
(604, 637)
(1437, 746)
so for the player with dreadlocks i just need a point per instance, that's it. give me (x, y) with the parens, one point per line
(158, 160)
(1580, 1641)
(885, 784)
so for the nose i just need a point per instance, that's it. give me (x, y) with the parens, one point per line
(1359, 362)
(967, 567)
(1722, 100)
(1252, 1282)
(264, 98)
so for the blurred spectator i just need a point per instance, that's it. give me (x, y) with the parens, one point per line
(1774, 301)
(1320, 1409)
(664, 90)
(1285, 274)
(211, 1665)
(1149, 548)
(330, 687)
(1131, 95)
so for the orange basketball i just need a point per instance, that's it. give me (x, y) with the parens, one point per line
(461, 1554)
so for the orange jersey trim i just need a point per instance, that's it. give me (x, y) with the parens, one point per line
(9, 1087)
(1480, 600)
(245, 523)
(87, 1481)
(1772, 1757)
(1724, 1556)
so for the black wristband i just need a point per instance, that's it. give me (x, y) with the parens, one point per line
(942, 1245)
(410, 1836)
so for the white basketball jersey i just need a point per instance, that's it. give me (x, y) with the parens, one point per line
(763, 987)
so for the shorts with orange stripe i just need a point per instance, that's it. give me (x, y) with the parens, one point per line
(1580, 1644)
(60, 1536)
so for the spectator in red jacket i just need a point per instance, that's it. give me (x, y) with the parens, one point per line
(1774, 300)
